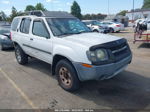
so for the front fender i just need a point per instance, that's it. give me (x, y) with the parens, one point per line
(74, 54)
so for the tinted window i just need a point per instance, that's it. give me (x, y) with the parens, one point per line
(25, 25)
(15, 24)
(39, 29)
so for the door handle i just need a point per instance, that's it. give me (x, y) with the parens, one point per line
(31, 38)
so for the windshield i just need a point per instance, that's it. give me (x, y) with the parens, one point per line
(67, 26)
(4, 30)
(97, 23)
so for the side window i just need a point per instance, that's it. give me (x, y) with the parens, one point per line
(25, 25)
(14, 24)
(39, 29)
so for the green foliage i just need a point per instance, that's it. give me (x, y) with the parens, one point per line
(146, 4)
(76, 10)
(30, 8)
(93, 16)
(2, 16)
(14, 13)
(123, 13)
(40, 6)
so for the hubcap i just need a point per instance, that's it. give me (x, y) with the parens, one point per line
(65, 76)
(18, 55)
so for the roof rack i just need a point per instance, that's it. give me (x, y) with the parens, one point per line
(53, 14)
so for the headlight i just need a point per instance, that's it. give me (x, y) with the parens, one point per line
(98, 55)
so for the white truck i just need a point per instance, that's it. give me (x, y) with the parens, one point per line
(75, 53)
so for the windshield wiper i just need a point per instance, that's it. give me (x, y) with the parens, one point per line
(83, 32)
(66, 34)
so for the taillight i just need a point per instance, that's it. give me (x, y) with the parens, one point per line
(118, 25)
(10, 36)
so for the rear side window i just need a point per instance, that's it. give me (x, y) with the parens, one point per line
(15, 24)
(39, 29)
(25, 25)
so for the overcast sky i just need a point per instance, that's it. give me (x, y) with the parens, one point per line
(87, 6)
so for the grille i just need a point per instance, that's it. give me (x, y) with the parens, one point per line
(120, 51)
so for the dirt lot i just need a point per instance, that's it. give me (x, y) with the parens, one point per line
(32, 86)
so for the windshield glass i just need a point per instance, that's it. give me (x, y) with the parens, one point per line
(4, 30)
(67, 26)
(97, 23)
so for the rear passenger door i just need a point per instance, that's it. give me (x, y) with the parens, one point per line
(24, 36)
(41, 42)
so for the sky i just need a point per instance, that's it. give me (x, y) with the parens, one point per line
(87, 6)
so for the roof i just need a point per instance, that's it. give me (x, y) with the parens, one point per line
(52, 14)
(139, 10)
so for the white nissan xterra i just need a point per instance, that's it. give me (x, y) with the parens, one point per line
(74, 52)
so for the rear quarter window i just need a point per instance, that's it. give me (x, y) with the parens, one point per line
(14, 24)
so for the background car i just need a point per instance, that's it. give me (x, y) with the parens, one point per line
(121, 26)
(5, 40)
(95, 26)
(113, 27)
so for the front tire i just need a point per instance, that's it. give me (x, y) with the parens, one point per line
(21, 57)
(96, 31)
(67, 76)
(111, 30)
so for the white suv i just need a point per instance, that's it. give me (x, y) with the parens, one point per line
(75, 53)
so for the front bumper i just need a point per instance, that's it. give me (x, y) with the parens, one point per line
(101, 72)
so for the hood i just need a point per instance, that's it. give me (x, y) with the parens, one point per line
(91, 39)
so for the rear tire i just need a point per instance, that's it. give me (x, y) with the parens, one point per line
(1, 47)
(21, 57)
(118, 31)
(67, 76)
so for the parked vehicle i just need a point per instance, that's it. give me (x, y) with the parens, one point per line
(5, 41)
(122, 28)
(95, 26)
(74, 52)
(114, 27)
(138, 21)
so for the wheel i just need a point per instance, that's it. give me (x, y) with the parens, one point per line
(1, 47)
(118, 31)
(67, 76)
(21, 57)
(111, 30)
(96, 31)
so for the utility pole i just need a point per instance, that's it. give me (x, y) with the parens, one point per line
(108, 7)
(133, 12)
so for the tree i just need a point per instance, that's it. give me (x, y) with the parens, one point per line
(146, 4)
(14, 13)
(3, 16)
(76, 10)
(123, 13)
(30, 8)
(40, 6)
(94, 16)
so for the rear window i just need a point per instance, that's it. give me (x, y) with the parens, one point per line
(15, 24)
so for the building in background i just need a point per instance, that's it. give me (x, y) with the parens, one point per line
(138, 14)
(118, 18)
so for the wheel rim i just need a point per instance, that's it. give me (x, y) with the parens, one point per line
(18, 56)
(65, 76)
